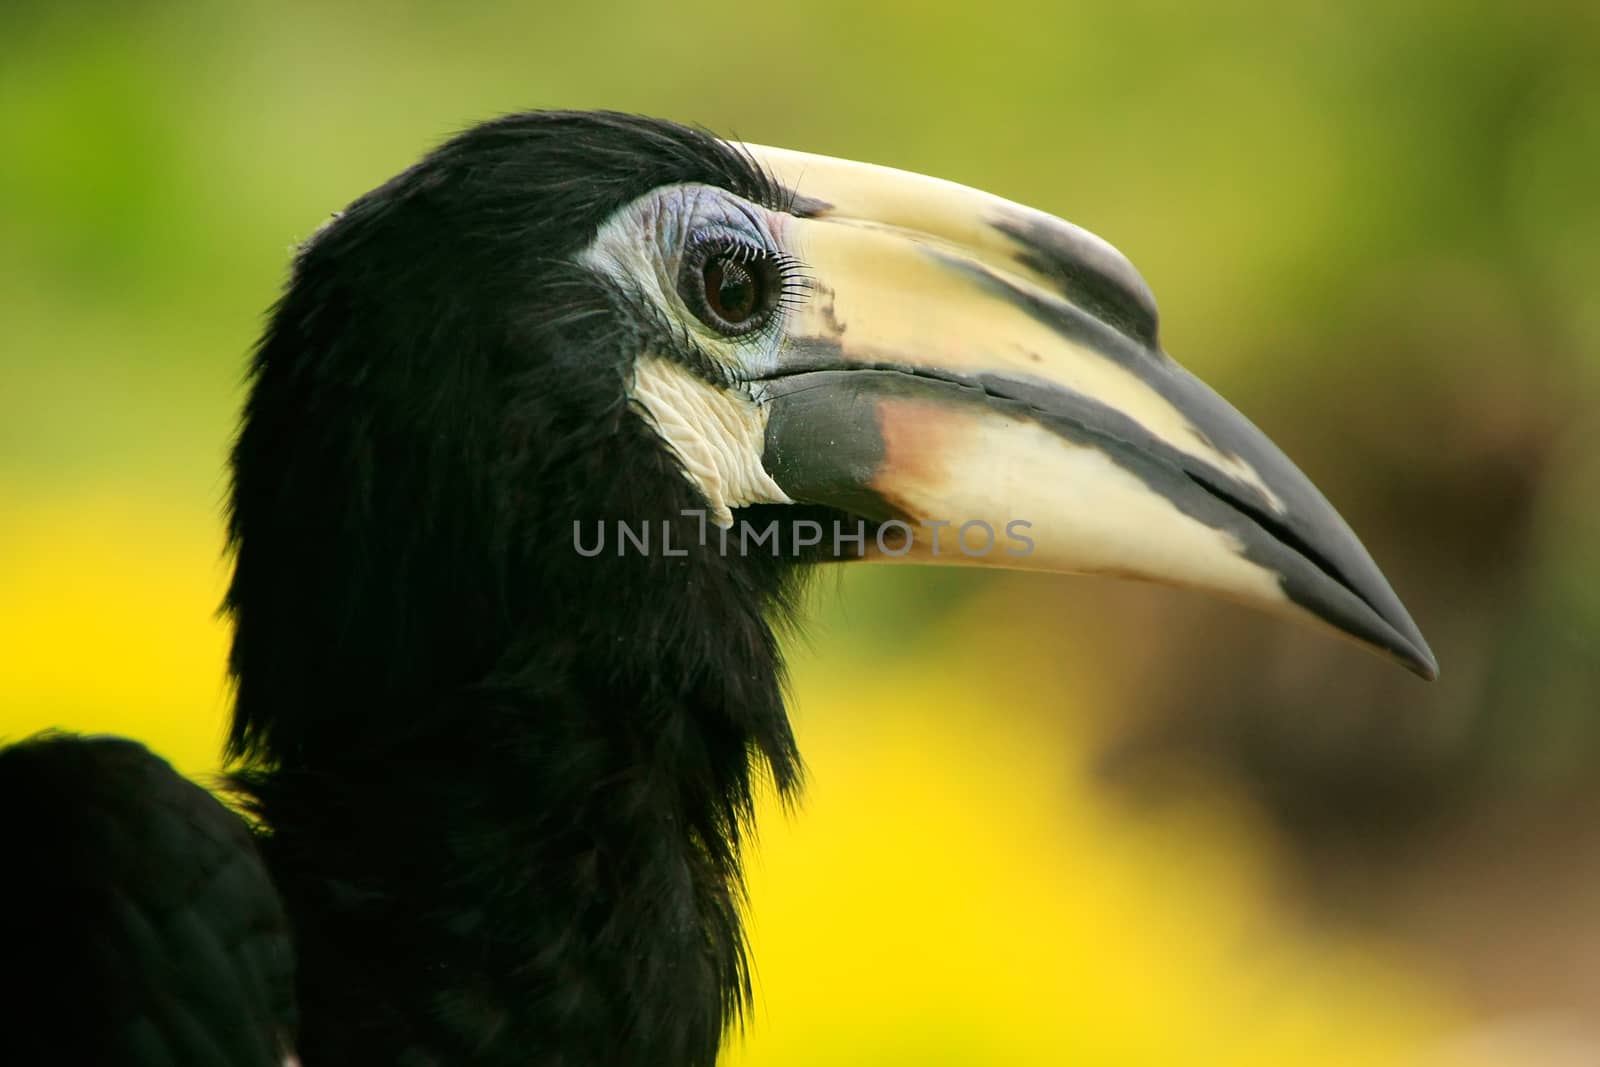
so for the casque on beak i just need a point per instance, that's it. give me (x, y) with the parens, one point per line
(963, 359)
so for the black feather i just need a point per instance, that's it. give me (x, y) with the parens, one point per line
(138, 926)
(505, 786)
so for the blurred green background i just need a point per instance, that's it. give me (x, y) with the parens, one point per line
(1050, 820)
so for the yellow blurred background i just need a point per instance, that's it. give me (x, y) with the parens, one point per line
(1049, 821)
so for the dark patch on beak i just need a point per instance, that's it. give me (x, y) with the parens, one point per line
(1087, 273)
(1070, 321)
(804, 207)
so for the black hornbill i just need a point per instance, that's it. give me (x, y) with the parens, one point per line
(538, 444)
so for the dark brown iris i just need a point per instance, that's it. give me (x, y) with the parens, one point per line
(732, 286)
(732, 290)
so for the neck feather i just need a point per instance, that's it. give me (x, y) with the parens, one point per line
(530, 857)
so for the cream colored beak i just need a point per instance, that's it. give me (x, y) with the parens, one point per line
(966, 362)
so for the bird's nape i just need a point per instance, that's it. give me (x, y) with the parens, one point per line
(540, 441)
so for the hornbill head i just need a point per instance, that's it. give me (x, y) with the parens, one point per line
(563, 318)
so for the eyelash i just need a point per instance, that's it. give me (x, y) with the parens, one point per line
(794, 282)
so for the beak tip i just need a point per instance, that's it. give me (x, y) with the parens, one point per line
(1407, 647)
(1420, 661)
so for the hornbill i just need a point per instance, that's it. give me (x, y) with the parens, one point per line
(539, 441)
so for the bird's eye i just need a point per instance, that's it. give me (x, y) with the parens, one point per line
(733, 287)
(732, 291)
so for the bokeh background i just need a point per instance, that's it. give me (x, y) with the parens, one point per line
(1049, 821)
